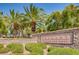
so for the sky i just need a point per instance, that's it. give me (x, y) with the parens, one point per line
(18, 7)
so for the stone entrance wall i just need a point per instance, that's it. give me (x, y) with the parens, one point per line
(60, 38)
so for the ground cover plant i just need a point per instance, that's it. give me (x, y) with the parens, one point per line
(15, 48)
(62, 51)
(1, 46)
(2, 49)
(35, 48)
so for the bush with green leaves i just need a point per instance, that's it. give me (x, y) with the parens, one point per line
(62, 51)
(1, 46)
(2, 49)
(15, 48)
(35, 48)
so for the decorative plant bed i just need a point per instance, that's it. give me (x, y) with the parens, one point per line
(35, 49)
(62, 51)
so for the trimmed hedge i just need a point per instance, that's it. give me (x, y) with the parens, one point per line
(35, 48)
(15, 48)
(62, 51)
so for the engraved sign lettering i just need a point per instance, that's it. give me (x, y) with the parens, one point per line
(60, 38)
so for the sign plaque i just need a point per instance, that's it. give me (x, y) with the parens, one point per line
(57, 38)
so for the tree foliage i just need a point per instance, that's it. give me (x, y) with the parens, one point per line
(35, 20)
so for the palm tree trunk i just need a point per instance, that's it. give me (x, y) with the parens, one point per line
(33, 26)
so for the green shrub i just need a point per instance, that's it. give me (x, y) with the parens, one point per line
(35, 48)
(4, 50)
(62, 51)
(38, 51)
(1, 46)
(15, 48)
(43, 46)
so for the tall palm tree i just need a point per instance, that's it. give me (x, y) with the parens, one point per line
(14, 22)
(25, 24)
(33, 13)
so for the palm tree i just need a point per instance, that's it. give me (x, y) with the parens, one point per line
(54, 21)
(51, 23)
(14, 22)
(69, 16)
(25, 24)
(77, 17)
(3, 25)
(57, 16)
(33, 13)
(41, 26)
